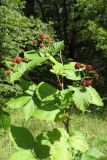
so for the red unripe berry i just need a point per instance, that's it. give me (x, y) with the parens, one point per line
(42, 37)
(89, 68)
(35, 42)
(87, 83)
(78, 65)
(9, 72)
(18, 60)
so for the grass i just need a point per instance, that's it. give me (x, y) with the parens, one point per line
(7, 146)
(91, 126)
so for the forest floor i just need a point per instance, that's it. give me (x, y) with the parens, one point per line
(92, 126)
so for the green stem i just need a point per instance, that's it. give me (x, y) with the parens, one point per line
(62, 83)
(66, 123)
(51, 58)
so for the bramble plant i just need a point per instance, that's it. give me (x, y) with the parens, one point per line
(45, 102)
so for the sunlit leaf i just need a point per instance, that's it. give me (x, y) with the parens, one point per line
(82, 98)
(79, 142)
(18, 102)
(22, 155)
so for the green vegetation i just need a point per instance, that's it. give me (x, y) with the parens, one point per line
(92, 126)
(53, 90)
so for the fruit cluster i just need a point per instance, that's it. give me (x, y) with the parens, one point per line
(87, 69)
(86, 83)
(17, 60)
(42, 40)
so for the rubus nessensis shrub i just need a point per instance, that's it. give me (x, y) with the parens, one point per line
(45, 102)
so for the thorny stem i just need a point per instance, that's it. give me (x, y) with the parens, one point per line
(61, 84)
(62, 80)
(59, 81)
(61, 58)
(66, 123)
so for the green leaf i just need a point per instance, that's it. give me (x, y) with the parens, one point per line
(65, 98)
(82, 98)
(28, 103)
(78, 142)
(60, 150)
(71, 66)
(45, 91)
(47, 110)
(85, 96)
(4, 120)
(87, 157)
(70, 74)
(36, 61)
(57, 68)
(15, 76)
(56, 47)
(45, 115)
(53, 143)
(22, 155)
(22, 137)
(29, 109)
(66, 70)
(31, 54)
(18, 102)
(94, 152)
(31, 89)
(25, 84)
(96, 99)
(21, 67)
(45, 51)
(28, 87)
(44, 142)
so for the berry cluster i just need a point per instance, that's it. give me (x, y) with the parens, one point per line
(17, 60)
(86, 83)
(42, 40)
(87, 69)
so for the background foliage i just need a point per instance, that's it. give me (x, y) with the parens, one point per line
(82, 24)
